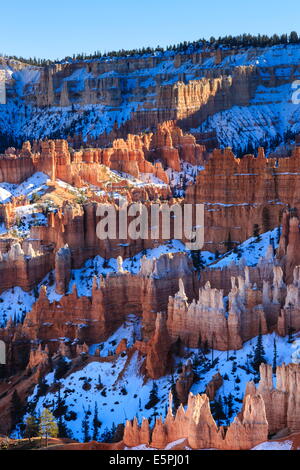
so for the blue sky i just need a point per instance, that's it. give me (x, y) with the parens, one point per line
(56, 28)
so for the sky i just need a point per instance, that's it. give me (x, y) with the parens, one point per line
(58, 28)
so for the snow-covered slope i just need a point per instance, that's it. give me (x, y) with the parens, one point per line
(270, 115)
(121, 392)
(35, 184)
(15, 302)
(137, 88)
(117, 386)
(250, 251)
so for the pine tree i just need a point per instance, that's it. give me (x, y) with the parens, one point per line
(47, 426)
(86, 426)
(153, 398)
(176, 401)
(218, 410)
(274, 356)
(229, 403)
(42, 387)
(256, 231)
(259, 353)
(32, 427)
(61, 368)
(59, 411)
(228, 243)
(108, 435)
(291, 332)
(266, 222)
(278, 233)
(16, 409)
(293, 38)
(96, 423)
(197, 259)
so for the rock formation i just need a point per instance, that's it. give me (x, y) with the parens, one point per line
(168, 147)
(238, 194)
(281, 401)
(22, 265)
(198, 427)
(158, 349)
(213, 386)
(62, 270)
(184, 382)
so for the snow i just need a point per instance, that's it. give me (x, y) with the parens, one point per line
(180, 179)
(249, 254)
(37, 183)
(250, 251)
(15, 303)
(28, 216)
(149, 178)
(276, 445)
(269, 113)
(83, 278)
(129, 330)
(127, 393)
(4, 195)
(169, 446)
(173, 444)
(224, 362)
(27, 75)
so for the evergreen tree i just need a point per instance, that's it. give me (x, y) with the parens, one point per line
(109, 435)
(16, 409)
(86, 426)
(274, 356)
(47, 426)
(259, 353)
(59, 411)
(31, 427)
(42, 387)
(217, 410)
(61, 368)
(228, 243)
(176, 401)
(96, 423)
(291, 332)
(266, 223)
(197, 259)
(256, 231)
(153, 397)
(229, 403)
(293, 38)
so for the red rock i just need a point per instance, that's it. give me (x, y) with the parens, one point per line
(122, 346)
(213, 386)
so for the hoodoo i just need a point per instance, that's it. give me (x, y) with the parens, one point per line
(120, 329)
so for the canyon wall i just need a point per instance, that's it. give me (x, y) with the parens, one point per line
(239, 193)
(265, 411)
(92, 319)
(197, 426)
(107, 98)
(146, 153)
